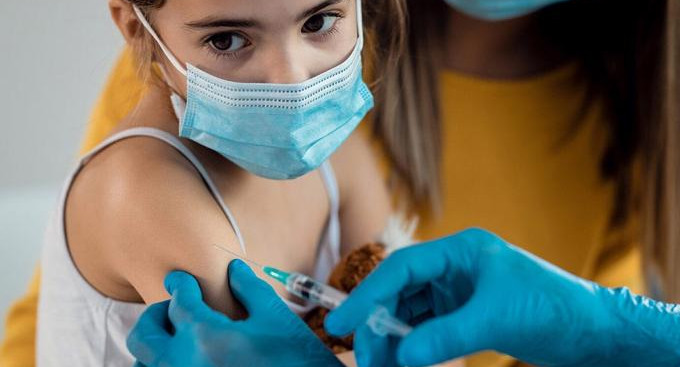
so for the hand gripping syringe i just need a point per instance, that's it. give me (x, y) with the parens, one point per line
(380, 320)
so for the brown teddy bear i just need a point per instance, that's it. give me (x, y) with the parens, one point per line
(346, 275)
(354, 268)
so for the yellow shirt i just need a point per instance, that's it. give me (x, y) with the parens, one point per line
(503, 169)
(513, 163)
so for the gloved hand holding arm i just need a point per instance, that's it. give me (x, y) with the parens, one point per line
(201, 337)
(477, 293)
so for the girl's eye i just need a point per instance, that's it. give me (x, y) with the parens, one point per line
(320, 23)
(227, 42)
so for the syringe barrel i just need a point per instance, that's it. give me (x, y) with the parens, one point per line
(315, 292)
(380, 320)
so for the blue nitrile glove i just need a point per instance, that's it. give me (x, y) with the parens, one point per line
(505, 299)
(272, 335)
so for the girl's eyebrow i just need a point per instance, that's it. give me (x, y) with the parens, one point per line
(316, 8)
(215, 22)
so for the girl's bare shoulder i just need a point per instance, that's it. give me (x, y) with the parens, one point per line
(138, 210)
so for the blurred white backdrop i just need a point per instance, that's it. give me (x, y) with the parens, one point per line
(55, 57)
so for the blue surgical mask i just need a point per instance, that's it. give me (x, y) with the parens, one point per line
(277, 131)
(496, 10)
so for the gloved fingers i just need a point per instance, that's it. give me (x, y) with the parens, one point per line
(403, 269)
(416, 307)
(187, 300)
(255, 295)
(444, 338)
(413, 265)
(437, 297)
(149, 338)
(373, 350)
(370, 349)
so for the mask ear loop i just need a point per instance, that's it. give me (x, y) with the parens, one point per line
(168, 81)
(360, 23)
(173, 60)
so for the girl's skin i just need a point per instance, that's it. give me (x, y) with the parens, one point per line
(139, 209)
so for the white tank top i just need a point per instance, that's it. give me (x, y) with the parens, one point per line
(78, 326)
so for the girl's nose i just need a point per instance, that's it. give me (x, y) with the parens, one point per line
(286, 65)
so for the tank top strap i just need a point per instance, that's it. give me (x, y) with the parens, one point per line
(182, 149)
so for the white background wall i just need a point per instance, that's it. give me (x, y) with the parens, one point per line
(54, 58)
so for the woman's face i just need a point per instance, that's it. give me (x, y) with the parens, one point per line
(257, 41)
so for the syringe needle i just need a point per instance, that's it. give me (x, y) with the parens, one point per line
(238, 256)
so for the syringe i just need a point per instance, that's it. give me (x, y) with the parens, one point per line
(380, 320)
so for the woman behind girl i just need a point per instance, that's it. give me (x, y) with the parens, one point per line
(555, 128)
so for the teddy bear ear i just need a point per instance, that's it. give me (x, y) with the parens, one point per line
(398, 232)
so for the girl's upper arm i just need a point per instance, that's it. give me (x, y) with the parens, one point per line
(157, 217)
(365, 200)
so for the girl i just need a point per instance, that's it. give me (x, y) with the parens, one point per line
(554, 129)
(223, 149)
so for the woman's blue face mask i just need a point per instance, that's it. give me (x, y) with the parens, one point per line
(496, 10)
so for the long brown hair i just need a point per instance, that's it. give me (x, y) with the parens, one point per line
(629, 54)
(407, 102)
(662, 162)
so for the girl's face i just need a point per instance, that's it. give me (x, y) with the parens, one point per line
(257, 41)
